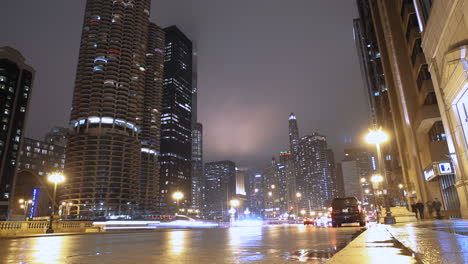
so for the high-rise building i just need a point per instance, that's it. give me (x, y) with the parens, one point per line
(351, 179)
(198, 182)
(176, 121)
(275, 189)
(339, 180)
(197, 144)
(427, 161)
(103, 152)
(218, 177)
(38, 159)
(316, 186)
(16, 79)
(256, 195)
(286, 160)
(376, 89)
(445, 25)
(363, 167)
(148, 179)
(332, 166)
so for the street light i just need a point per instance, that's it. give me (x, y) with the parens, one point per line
(178, 196)
(303, 212)
(56, 178)
(234, 203)
(298, 195)
(273, 186)
(270, 193)
(363, 180)
(25, 206)
(377, 178)
(378, 137)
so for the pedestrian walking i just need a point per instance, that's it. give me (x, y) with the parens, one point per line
(437, 205)
(420, 207)
(414, 209)
(429, 208)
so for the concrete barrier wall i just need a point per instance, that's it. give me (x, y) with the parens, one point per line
(16, 228)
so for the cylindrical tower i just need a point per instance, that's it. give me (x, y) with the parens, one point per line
(103, 153)
(151, 127)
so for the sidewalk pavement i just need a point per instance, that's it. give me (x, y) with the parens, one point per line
(439, 241)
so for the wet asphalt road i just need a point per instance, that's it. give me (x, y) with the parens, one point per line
(267, 244)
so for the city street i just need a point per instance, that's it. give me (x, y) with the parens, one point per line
(259, 244)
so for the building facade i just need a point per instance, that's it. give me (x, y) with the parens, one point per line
(219, 176)
(421, 139)
(16, 80)
(318, 186)
(376, 89)
(38, 159)
(444, 26)
(148, 178)
(176, 121)
(104, 148)
(198, 181)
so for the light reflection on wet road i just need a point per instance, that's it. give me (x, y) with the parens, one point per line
(267, 244)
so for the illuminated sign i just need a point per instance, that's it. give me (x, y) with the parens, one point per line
(445, 168)
(429, 174)
(35, 198)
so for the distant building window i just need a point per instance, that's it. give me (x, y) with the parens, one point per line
(437, 132)
(426, 6)
(431, 99)
(423, 75)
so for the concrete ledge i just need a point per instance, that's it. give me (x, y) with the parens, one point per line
(376, 245)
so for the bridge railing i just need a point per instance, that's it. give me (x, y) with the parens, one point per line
(15, 228)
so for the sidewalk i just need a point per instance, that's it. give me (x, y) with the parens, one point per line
(439, 241)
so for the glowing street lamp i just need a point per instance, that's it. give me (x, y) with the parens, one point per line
(177, 196)
(400, 186)
(378, 137)
(303, 212)
(298, 195)
(56, 178)
(270, 193)
(363, 180)
(377, 178)
(234, 203)
(273, 186)
(24, 205)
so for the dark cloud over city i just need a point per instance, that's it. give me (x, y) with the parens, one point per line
(257, 62)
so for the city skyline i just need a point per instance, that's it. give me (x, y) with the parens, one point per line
(227, 88)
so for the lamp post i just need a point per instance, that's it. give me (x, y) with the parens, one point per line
(56, 178)
(178, 196)
(234, 203)
(377, 138)
(25, 206)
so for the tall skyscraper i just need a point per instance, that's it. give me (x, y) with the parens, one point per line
(314, 172)
(198, 182)
(16, 79)
(151, 127)
(332, 166)
(103, 152)
(218, 177)
(176, 121)
(286, 160)
(293, 135)
(411, 65)
(375, 86)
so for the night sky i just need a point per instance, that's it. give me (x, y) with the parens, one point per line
(257, 62)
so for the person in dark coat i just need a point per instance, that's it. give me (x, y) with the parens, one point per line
(420, 207)
(437, 205)
(429, 208)
(414, 209)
